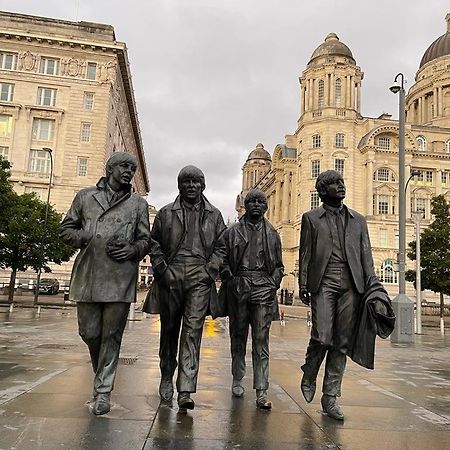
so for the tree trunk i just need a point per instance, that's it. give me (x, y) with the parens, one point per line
(12, 282)
(441, 314)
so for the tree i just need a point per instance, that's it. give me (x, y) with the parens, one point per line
(7, 195)
(434, 252)
(27, 243)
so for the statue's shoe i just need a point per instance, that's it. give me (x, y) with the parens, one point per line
(331, 407)
(102, 404)
(185, 401)
(237, 389)
(308, 389)
(261, 400)
(166, 389)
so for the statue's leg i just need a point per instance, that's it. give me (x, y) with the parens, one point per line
(113, 324)
(90, 328)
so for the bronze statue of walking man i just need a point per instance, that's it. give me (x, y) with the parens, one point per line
(251, 273)
(335, 265)
(110, 226)
(185, 264)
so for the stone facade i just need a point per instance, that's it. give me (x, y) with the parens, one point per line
(65, 86)
(332, 134)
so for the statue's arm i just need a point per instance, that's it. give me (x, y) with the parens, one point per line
(157, 255)
(218, 254)
(304, 259)
(71, 228)
(279, 267)
(366, 252)
(142, 234)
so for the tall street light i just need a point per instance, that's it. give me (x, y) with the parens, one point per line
(44, 233)
(417, 217)
(401, 304)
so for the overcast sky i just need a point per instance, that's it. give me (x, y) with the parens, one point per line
(212, 78)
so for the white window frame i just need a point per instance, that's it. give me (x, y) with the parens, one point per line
(384, 142)
(383, 237)
(383, 204)
(88, 101)
(39, 161)
(429, 177)
(315, 168)
(321, 94)
(46, 96)
(4, 151)
(316, 141)
(46, 68)
(8, 60)
(43, 129)
(85, 132)
(338, 92)
(89, 74)
(8, 125)
(383, 174)
(82, 166)
(340, 140)
(339, 166)
(421, 144)
(314, 199)
(6, 92)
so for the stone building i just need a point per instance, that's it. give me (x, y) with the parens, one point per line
(65, 86)
(331, 133)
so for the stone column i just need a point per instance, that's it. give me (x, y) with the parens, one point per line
(358, 96)
(332, 89)
(277, 212)
(369, 200)
(420, 111)
(326, 93)
(286, 189)
(435, 103)
(440, 102)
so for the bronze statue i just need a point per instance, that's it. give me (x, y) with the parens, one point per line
(110, 226)
(185, 264)
(251, 273)
(337, 278)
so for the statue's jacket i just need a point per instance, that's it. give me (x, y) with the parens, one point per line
(95, 276)
(233, 244)
(167, 236)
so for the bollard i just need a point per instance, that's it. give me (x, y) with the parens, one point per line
(404, 322)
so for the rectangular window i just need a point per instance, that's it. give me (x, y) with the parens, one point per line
(41, 193)
(383, 237)
(315, 168)
(46, 96)
(383, 174)
(314, 200)
(8, 61)
(384, 143)
(91, 71)
(316, 141)
(396, 239)
(88, 101)
(39, 161)
(445, 177)
(4, 151)
(6, 92)
(49, 66)
(85, 135)
(429, 176)
(43, 129)
(340, 142)
(421, 204)
(383, 204)
(339, 166)
(82, 164)
(5, 125)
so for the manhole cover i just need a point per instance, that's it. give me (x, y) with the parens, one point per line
(127, 361)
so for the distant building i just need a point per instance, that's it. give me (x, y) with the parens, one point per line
(331, 133)
(65, 86)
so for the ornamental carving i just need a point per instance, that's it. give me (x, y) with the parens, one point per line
(107, 72)
(28, 61)
(72, 67)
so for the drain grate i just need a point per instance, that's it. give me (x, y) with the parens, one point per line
(127, 360)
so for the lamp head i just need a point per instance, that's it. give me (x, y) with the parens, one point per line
(395, 88)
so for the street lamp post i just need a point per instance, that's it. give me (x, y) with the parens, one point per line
(417, 217)
(401, 304)
(47, 205)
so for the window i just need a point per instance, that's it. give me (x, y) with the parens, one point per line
(85, 135)
(4, 151)
(82, 164)
(40, 192)
(383, 204)
(39, 161)
(46, 96)
(91, 71)
(421, 143)
(384, 143)
(321, 91)
(387, 274)
(337, 92)
(5, 125)
(383, 174)
(428, 176)
(447, 146)
(445, 177)
(382, 237)
(314, 200)
(8, 61)
(316, 141)
(315, 168)
(88, 101)
(339, 166)
(340, 140)
(6, 92)
(421, 204)
(43, 129)
(49, 66)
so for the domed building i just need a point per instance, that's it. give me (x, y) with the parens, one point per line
(331, 133)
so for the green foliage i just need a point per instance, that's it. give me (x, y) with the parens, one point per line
(434, 250)
(7, 195)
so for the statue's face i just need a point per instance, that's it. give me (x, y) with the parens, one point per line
(123, 172)
(256, 207)
(336, 190)
(191, 189)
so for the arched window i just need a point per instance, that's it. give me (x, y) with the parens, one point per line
(387, 273)
(447, 146)
(321, 91)
(421, 143)
(337, 92)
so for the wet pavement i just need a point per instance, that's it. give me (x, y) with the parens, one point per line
(46, 385)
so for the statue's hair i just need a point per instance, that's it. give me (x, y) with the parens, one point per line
(193, 172)
(118, 158)
(255, 193)
(326, 178)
